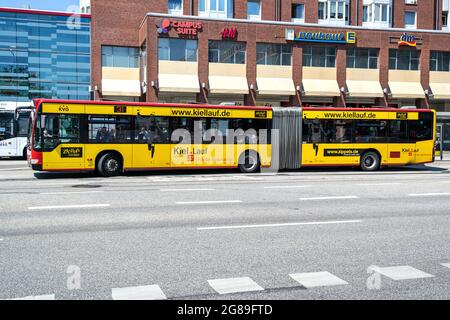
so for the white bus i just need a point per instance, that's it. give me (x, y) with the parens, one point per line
(14, 117)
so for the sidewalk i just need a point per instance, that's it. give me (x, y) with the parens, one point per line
(446, 156)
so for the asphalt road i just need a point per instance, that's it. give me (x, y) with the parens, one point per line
(310, 234)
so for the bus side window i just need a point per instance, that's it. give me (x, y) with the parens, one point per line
(398, 131)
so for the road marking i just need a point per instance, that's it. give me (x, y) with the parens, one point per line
(152, 292)
(42, 297)
(317, 279)
(208, 202)
(181, 190)
(402, 272)
(233, 285)
(70, 207)
(429, 194)
(329, 198)
(285, 187)
(279, 225)
(445, 265)
(379, 184)
(10, 169)
(70, 192)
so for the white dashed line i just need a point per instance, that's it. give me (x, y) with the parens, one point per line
(70, 192)
(181, 190)
(233, 285)
(379, 184)
(285, 187)
(70, 207)
(330, 198)
(208, 202)
(152, 292)
(429, 194)
(447, 265)
(42, 297)
(402, 272)
(317, 279)
(279, 225)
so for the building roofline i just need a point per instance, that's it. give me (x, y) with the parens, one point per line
(291, 24)
(43, 12)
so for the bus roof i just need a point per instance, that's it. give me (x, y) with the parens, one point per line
(38, 102)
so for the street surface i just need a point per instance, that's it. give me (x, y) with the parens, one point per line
(309, 234)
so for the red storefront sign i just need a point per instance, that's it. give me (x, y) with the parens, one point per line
(229, 33)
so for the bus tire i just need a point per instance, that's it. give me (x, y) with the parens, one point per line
(249, 162)
(370, 161)
(110, 165)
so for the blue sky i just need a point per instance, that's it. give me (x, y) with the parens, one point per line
(56, 5)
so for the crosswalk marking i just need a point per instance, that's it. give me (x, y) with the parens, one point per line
(41, 297)
(233, 285)
(317, 279)
(402, 272)
(152, 292)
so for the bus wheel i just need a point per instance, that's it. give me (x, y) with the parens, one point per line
(249, 162)
(370, 161)
(109, 165)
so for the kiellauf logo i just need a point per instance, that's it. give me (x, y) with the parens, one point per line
(163, 26)
(407, 40)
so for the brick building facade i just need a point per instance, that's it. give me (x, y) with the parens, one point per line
(284, 52)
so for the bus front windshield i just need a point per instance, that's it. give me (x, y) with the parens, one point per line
(6, 125)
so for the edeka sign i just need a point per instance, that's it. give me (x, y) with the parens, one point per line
(188, 28)
(327, 37)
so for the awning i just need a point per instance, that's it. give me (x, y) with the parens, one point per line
(318, 87)
(178, 83)
(412, 90)
(230, 85)
(440, 90)
(276, 86)
(128, 88)
(370, 89)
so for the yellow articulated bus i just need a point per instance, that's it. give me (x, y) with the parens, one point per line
(116, 137)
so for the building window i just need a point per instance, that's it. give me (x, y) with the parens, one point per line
(120, 57)
(226, 52)
(175, 7)
(410, 19)
(362, 58)
(144, 62)
(404, 59)
(319, 56)
(273, 54)
(439, 61)
(254, 10)
(298, 12)
(215, 8)
(377, 13)
(177, 49)
(444, 19)
(333, 12)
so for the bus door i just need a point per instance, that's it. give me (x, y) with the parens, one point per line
(187, 149)
(151, 148)
(402, 150)
(328, 142)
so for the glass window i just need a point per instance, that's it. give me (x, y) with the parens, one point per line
(60, 129)
(298, 11)
(327, 131)
(322, 11)
(109, 129)
(410, 18)
(216, 8)
(177, 49)
(315, 56)
(151, 130)
(254, 9)
(6, 125)
(273, 54)
(175, 6)
(362, 58)
(370, 131)
(120, 57)
(439, 61)
(226, 52)
(398, 131)
(404, 59)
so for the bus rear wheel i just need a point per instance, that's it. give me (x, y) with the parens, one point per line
(110, 165)
(370, 161)
(249, 162)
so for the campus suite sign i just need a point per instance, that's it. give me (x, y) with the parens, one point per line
(326, 37)
(188, 28)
